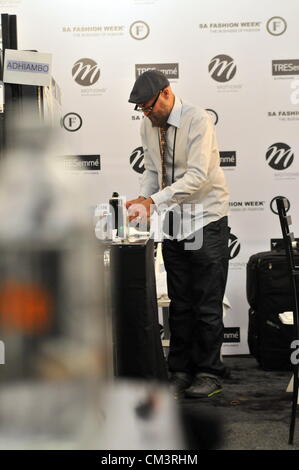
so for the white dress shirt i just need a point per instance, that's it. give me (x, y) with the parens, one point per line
(198, 177)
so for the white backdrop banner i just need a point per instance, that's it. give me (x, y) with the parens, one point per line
(238, 60)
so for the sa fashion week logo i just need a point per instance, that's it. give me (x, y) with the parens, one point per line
(139, 30)
(279, 156)
(137, 160)
(86, 72)
(72, 122)
(222, 68)
(276, 25)
(233, 246)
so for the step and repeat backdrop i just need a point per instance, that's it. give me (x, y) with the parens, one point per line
(238, 60)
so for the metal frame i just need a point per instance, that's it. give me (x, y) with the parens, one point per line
(290, 244)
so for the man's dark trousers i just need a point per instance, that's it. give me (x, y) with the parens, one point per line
(196, 282)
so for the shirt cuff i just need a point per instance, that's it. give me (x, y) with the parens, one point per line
(162, 197)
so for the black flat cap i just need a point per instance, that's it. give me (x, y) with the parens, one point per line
(147, 85)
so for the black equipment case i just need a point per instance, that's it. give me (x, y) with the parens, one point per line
(268, 294)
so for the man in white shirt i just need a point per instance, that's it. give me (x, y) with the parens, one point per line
(182, 168)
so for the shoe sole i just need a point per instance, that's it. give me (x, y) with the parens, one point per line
(202, 395)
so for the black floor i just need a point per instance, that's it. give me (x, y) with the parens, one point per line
(252, 412)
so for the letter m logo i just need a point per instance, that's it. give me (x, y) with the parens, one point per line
(86, 72)
(222, 68)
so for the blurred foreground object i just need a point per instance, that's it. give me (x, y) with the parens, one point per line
(51, 286)
(140, 416)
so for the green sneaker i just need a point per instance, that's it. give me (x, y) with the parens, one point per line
(204, 386)
(178, 383)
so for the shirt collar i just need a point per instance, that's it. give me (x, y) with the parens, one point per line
(175, 115)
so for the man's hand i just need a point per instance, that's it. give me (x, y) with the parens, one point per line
(140, 208)
(135, 201)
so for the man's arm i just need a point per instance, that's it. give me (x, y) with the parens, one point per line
(141, 207)
(149, 181)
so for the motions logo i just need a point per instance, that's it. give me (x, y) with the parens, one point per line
(279, 156)
(222, 68)
(233, 246)
(231, 27)
(247, 206)
(276, 25)
(273, 205)
(228, 159)
(72, 122)
(285, 67)
(213, 115)
(137, 160)
(170, 70)
(139, 30)
(82, 162)
(86, 72)
(231, 335)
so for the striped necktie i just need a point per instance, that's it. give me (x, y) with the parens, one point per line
(163, 146)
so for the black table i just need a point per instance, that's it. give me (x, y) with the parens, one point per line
(137, 349)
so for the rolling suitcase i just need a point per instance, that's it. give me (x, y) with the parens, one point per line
(269, 294)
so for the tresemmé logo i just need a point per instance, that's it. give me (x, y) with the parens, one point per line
(233, 246)
(86, 72)
(82, 162)
(279, 156)
(171, 71)
(228, 159)
(285, 67)
(222, 68)
(231, 335)
(137, 160)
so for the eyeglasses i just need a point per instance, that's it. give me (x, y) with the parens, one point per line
(147, 109)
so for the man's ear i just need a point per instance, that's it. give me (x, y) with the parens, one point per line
(166, 92)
